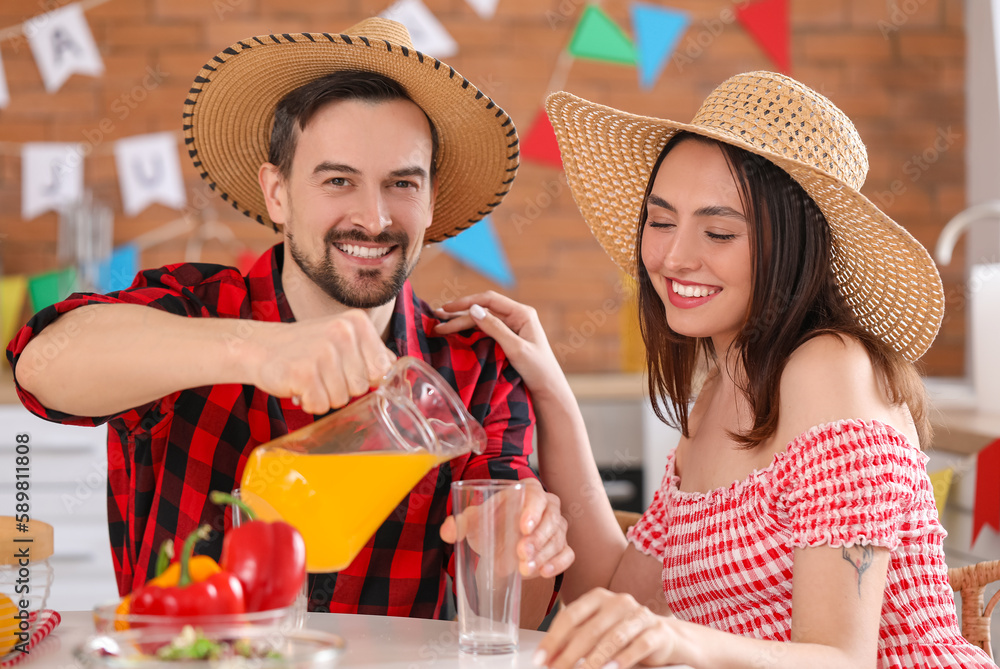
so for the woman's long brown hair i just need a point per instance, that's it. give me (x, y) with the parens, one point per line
(794, 297)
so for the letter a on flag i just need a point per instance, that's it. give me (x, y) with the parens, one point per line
(63, 45)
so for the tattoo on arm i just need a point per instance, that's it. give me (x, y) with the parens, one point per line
(860, 558)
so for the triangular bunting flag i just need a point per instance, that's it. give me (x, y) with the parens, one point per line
(48, 288)
(597, 37)
(63, 45)
(657, 31)
(941, 484)
(986, 508)
(767, 23)
(479, 248)
(427, 33)
(149, 171)
(245, 261)
(51, 177)
(485, 8)
(540, 144)
(12, 292)
(118, 271)
(4, 92)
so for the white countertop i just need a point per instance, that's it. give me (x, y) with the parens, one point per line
(378, 642)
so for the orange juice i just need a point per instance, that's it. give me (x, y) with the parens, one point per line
(336, 500)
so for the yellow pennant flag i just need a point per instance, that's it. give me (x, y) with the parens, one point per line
(12, 292)
(941, 482)
(633, 351)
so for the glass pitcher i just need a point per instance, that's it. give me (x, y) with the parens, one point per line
(339, 478)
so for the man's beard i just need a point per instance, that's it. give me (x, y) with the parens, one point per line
(368, 290)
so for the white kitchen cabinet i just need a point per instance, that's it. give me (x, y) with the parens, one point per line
(68, 490)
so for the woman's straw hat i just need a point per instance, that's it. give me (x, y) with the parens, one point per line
(230, 108)
(887, 277)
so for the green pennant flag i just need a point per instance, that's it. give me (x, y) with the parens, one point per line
(597, 37)
(48, 288)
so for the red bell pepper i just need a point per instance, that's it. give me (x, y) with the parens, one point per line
(269, 559)
(220, 593)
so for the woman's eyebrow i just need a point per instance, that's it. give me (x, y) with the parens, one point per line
(712, 210)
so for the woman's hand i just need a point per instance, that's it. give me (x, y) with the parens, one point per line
(607, 629)
(515, 327)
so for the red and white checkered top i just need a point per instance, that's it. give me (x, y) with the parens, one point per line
(727, 554)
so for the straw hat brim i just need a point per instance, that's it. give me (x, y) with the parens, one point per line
(229, 111)
(887, 276)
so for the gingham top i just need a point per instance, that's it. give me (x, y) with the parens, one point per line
(727, 554)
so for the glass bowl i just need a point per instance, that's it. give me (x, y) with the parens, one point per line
(285, 620)
(136, 648)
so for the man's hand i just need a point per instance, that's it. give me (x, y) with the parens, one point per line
(541, 548)
(322, 362)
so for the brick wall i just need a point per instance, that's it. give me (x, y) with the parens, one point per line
(896, 68)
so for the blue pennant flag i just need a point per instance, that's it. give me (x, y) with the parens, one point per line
(118, 271)
(479, 248)
(657, 31)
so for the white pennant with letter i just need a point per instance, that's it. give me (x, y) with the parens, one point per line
(4, 92)
(149, 171)
(51, 177)
(62, 44)
(427, 33)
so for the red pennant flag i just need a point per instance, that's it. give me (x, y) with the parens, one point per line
(767, 23)
(986, 510)
(540, 143)
(245, 261)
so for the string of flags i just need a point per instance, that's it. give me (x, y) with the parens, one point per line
(657, 32)
(147, 165)
(148, 168)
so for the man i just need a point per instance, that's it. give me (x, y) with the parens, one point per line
(360, 170)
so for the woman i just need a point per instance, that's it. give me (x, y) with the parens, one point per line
(795, 525)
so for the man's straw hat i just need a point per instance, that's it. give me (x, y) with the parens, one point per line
(229, 111)
(887, 277)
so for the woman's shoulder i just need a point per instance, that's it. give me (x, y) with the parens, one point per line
(829, 378)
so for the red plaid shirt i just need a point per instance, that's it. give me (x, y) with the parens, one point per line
(164, 457)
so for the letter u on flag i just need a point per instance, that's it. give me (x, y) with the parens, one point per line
(63, 45)
(149, 171)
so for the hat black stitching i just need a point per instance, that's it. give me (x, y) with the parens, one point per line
(490, 104)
